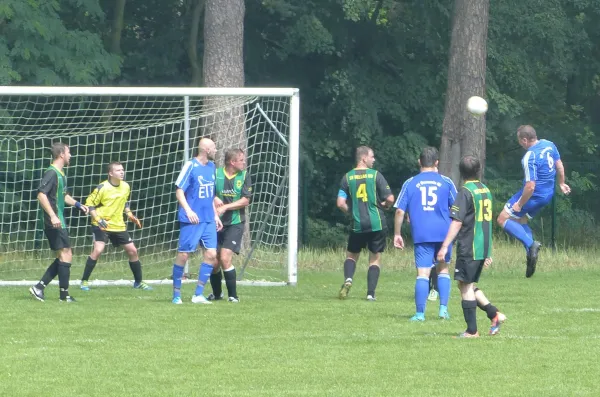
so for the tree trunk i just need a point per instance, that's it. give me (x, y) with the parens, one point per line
(223, 66)
(193, 43)
(117, 27)
(464, 133)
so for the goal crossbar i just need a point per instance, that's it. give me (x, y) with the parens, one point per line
(149, 91)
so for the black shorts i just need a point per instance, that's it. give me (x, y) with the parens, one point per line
(467, 270)
(116, 238)
(230, 237)
(374, 241)
(58, 238)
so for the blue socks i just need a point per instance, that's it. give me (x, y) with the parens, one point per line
(520, 232)
(443, 285)
(203, 276)
(177, 276)
(421, 292)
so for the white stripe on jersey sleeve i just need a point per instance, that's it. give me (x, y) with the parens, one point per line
(184, 174)
(402, 192)
(529, 156)
(451, 183)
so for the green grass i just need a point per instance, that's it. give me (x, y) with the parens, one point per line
(303, 341)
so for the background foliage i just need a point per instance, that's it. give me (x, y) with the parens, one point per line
(370, 72)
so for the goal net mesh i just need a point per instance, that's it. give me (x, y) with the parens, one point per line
(147, 135)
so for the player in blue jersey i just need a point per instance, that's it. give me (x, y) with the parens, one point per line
(541, 164)
(198, 218)
(427, 198)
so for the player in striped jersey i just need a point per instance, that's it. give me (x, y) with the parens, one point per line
(53, 194)
(233, 190)
(364, 193)
(471, 216)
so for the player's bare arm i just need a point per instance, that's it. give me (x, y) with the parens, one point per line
(527, 193)
(560, 171)
(342, 205)
(389, 201)
(218, 202)
(452, 233)
(398, 220)
(236, 205)
(45, 203)
(217, 216)
(192, 217)
(74, 203)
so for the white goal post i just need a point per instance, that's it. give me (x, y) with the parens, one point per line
(152, 131)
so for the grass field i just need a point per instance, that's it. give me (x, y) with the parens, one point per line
(303, 341)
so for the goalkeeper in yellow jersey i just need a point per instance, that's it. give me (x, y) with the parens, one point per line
(107, 203)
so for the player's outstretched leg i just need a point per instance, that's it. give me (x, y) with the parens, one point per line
(532, 258)
(231, 284)
(372, 280)
(444, 283)
(216, 279)
(349, 269)
(177, 276)
(433, 285)
(37, 291)
(495, 316)
(421, 292)
(203, 276)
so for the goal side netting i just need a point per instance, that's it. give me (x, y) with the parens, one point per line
(152, 132)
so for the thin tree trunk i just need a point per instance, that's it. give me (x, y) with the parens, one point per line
(118, 22)
(464, 133)
(193, 43)
(223, 66)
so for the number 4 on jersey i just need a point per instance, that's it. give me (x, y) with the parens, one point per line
(361, 192)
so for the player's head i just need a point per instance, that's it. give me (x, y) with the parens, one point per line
(206, 147)
(469, 168)
(365, 156)
(527, 136)
(429, 157)
(60, 152)
(235, 159)
(116, 170)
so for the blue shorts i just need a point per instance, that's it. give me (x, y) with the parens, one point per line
(425, 254)
(190, 235)
(531, 207)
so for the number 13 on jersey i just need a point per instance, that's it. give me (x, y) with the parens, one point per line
(485, 210)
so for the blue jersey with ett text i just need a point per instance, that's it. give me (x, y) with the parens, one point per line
(198, 183)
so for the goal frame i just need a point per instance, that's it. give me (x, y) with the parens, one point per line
(185, 93)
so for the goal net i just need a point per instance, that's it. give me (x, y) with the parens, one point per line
(152, 132)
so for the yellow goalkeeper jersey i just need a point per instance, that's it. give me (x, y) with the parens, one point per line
(110, 201)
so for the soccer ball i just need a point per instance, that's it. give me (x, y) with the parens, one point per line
(477, 105)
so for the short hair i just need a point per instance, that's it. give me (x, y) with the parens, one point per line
(429, 155)
(362, 151)
(112, 165)
(57, 149)
(469, 167)
(231, 154)
(526, 131)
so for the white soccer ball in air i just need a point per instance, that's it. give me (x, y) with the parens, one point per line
(477, 105)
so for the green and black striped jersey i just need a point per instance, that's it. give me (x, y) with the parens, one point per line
(54, 186)
(365, 189)
(473, 207)
(230, 188)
